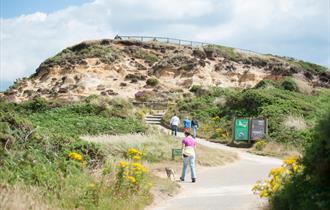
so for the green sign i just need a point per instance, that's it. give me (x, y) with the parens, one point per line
(241, 129)
(176, 152)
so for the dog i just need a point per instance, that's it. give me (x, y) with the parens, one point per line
(170, 173)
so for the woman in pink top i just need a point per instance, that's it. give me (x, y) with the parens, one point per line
(188, 155)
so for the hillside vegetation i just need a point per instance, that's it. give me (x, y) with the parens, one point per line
(291, 113)
(46, 162)
(41, 150)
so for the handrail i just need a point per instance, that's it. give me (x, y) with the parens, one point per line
(177, 41)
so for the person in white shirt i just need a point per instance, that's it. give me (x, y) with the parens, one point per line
(175, 120)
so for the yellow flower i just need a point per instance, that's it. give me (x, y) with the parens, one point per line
(218, 130)
(133, 152)
(216, 118)
(139, 167)
(131, 179)
(76, 156)
(264, 194)
(291, 160)
(122, 164)
(136, 157)
(277, 171)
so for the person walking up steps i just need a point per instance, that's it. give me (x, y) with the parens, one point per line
(175, 120)
(194, 126)
(188, 155)
(186, 124)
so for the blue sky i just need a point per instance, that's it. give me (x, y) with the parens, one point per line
(33, 30)
(14, 8)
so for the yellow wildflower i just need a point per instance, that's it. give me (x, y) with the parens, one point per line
(131, 179)
(133, 151)
(136, 157)
(76, 156)
(291, 160)
(122, 164)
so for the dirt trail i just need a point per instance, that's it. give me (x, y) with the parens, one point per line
(223, 188)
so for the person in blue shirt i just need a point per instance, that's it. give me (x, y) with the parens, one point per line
(186, 124)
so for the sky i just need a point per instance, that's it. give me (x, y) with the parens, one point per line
(33, 30)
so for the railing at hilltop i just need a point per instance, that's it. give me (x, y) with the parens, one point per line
(180, 42)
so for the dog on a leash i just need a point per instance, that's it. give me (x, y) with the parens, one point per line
(170, 173)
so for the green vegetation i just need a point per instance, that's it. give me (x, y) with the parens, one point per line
(280, 103)
(152, 82)
(145, 55)
(40, 148)
(302, 183)
(278, 64)
(77, 53)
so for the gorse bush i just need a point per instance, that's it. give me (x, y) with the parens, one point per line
(278, 177)
(309, 189)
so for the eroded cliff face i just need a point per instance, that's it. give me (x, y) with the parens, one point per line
(122, 67)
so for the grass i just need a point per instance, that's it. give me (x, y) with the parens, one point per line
(156, 148)
(21, 198)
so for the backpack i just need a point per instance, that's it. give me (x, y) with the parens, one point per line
(194, 122)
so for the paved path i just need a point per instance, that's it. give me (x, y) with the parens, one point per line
(223, 188)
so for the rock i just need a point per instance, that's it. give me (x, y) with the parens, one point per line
(123, 84)
(68, 80)
(100, 87)
(28, 92)
(63, 90)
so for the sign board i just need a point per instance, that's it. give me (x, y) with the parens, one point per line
(176, 152)
(241, 129)
(258, 128)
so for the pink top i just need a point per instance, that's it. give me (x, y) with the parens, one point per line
(189, 141)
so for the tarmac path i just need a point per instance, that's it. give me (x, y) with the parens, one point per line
(223, 188)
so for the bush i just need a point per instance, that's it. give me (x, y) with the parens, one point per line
(289, 84)
(311, 188)
(195, 88)
(152, 82)
(264, 84)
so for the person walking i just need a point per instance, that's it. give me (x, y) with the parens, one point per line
(186, 124)
(194, 126)
(175, 121)
(188, 155)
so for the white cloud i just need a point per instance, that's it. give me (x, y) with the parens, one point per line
(288, 27)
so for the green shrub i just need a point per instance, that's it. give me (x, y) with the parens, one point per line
(289, 84)
(35, 105)
(264, 84)
(311, 188)
(195, 88)
(152, 82)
